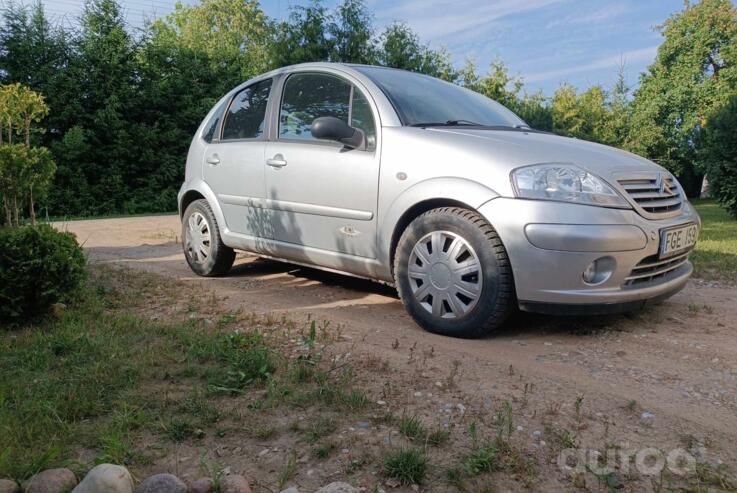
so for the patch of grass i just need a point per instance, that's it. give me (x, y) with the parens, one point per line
(323, 451)
(560, 438)
(412, 427)
(264, 432)
(481, 460)
(715, 256)
(319, 428)
(68, 382)
(288, 470)
(100, 377)
(454, 476)
(245, 359)
(179, 429)
(197, 404)
(438, 437)
(408, 466)
(354, 399)
(707, 476)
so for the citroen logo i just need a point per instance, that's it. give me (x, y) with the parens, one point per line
(665, 185)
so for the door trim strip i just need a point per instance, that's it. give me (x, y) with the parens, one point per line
(297, 207)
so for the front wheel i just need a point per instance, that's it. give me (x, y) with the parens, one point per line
(204, 249)
(453, 274)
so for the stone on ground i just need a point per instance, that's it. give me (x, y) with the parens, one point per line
(8, 486)
(51, 481)
(162, 483)
(202, 485)
(337, 487)
(106, 478)
(234, 483)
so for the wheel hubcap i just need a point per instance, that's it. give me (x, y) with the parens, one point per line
(198, 238)
(445, 274)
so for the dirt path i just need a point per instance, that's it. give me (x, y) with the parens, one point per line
(659, 378)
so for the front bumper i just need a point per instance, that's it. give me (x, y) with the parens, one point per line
(550, 244)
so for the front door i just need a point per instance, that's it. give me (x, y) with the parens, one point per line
(234, 162)
(321, 194)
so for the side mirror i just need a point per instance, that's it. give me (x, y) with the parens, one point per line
(331, 128)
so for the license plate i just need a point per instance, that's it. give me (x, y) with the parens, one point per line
(677, 240)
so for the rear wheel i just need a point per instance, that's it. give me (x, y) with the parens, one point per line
(453, 273)
(204, 249)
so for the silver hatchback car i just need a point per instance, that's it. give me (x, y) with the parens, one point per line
(442, 192)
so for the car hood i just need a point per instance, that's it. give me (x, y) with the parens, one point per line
(515, 148)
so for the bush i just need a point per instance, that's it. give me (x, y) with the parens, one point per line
(39, 266)
(719, 154)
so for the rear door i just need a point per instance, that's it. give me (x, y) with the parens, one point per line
(234, 161)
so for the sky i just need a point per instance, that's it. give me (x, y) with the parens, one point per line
(546, 42)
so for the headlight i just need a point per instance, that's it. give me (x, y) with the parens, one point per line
(566, 183)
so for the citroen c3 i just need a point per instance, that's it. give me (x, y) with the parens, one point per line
(449, 196)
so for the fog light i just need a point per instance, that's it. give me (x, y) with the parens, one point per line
(599, 270)
(589, 275)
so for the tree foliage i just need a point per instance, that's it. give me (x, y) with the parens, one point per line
(693, 75)
(24, 170)
(719, 154)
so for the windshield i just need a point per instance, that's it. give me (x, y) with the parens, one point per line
(424, 100)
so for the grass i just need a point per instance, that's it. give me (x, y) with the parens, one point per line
(408, 466)
(411, 426)
(101, 378)
(71, 381)
(715, 256)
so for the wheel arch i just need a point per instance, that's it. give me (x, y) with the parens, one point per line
(420, 198)
(414, 212)
(189, 197)
(197, 189)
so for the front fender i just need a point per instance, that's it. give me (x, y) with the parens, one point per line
(452, 189)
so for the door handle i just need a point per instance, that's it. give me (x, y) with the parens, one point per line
(277, 161)
(214, 160)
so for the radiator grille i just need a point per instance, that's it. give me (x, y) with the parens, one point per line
(651, 269)
(659, 195)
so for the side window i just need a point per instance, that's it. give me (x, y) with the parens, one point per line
(310, 96)
(245, 118)
(361, 117)
(210, 132)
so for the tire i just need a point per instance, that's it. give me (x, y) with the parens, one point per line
(204, 249)
(460, 281)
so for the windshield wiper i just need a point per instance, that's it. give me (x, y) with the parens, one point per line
(449, 123)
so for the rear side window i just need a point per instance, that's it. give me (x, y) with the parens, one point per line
(210, 132)
(310, 96)
(246, 115)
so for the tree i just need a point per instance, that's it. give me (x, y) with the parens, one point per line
(23, 168)
(13, 168)
(400, 47)
(304, 37)
(105, 73)
(315, 34)
(583, 116)
(19, 108)
(231, 36)
(38, 55)
(352, 30)
(617, 126)
(694, 73)
(497, 84)
(719, 154)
